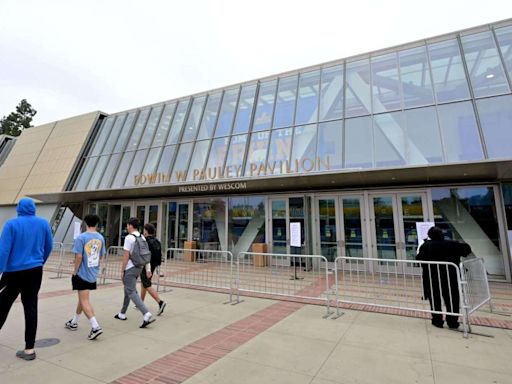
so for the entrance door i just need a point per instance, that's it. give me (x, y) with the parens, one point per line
(284, 211)
(393, 218)
(178, 224)
(148, 213)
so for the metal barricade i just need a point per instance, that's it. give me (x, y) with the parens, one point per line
(401, 285)
(54, 261)
(289, 275)
(67, 265)
(199, 267)
(475, 284)
(111, 265)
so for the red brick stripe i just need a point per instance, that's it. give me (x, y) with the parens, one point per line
(179, 366)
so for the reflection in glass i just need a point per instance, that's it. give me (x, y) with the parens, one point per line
(307, 101)
(484, 65)
(153, 215)
(353, 227)
(246, 221)
(164, 165)
(227, 112)
(152, 160)
(279, 150)
(198, 160)
(285, 105)
(331, 100)
(279, 229)
(236, 153)
(328, 230)
(133, 142)
(149, 130)
(358, 92)
(218, 153)
(179, 172)
(164, 125)
(330, 143)
(469, 214)
(504, 37)
(358, 143)
(124, 165)
(460, 133)
(136, 168)
(386, 88)
(114, 134)
(496, 121)
(412, 212)
(390, 140)
(109, 171)
(209, 224)
(265, 106)
(98, 172)
(177, 122)
(448, 73)
(424, 138)
(141, 215)
(87, 170)
(171, 226)
(101, 137)
(415, 77)
(210, 116)
(192, 124)
(244, 111)
(125, 132)
(257, 153)
(304, 144)
(384, 227)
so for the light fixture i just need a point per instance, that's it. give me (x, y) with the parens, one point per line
(489, 76)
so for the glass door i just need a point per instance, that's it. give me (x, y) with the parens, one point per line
(328, 227)
(279, 226)
(177, 224)
(148, 213)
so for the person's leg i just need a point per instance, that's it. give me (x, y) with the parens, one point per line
(85, 303)
(451, 299)
(154, 294)
(142, 291)
(435, 303)
(126, 300)
(29, 297)
(9, 291)
(130, 281)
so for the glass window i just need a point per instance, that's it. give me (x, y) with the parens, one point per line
(448, 73)
(504, 36)
(193, 119)
(415, 77)
(102, 136)
(227, 113)
(423, 136)
(331, 99)
(244, 111)
(125, 132)
(179, 171)
(459, 132)
(358, 88)
(152, 160)
(307, 102)
(209, 224)
(469, 214)
(210, 116)
(246, 221)
(164, 165)
(114, 134)
(496, 121)
(112, 165)
(358, 143)
(196, 167)
(138, 129)
(265, 106)
(330, 143)
(235, 155)
(136, 167)
(279, 151)
(164, 125)
(257, 154)
(285, 105)
(506, 188)
(99, 168)
(385, 83)
(484, 65)
(304, 144)
(124, 165)
(390, 140)
(218, 152)
(177, 122)
(87, 170)
(149, 130)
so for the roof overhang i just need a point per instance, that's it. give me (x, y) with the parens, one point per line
(486, 171)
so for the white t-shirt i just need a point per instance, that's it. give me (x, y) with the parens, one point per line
(129, 242)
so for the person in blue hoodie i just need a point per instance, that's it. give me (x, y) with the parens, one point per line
(25, 245)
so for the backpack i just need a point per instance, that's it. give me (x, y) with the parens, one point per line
(156, 251)
(140, 254)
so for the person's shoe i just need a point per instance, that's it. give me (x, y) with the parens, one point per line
(95, 332)
(454, 326)
(118, 317)
(71, 326)
(26, 356)
(145, 323)
(437, 325)
(161, 308)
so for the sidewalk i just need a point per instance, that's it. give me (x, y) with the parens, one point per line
(199, 339)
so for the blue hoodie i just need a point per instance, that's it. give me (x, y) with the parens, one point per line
(26, 241)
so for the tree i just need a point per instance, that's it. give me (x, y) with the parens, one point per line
(17, 121)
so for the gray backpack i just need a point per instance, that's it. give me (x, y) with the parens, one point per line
(140, 255)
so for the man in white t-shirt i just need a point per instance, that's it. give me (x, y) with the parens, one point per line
(130, 274)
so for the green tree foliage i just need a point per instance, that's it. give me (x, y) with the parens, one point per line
(16, 122)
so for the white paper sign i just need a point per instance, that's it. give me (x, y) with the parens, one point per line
(422, 228)
(77, 230)
(295, 240)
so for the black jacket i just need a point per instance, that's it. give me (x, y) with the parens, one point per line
(156, 251)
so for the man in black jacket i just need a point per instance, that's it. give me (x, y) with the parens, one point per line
(441, 280)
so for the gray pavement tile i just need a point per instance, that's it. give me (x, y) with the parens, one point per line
(446, 373)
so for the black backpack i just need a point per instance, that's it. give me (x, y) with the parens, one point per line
(140, 254)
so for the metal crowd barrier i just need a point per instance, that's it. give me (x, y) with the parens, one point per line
(61, 260)
(290, 275)
(199, 267)
(110, 266)
(475, 284)
(400, 285)
(54, 261)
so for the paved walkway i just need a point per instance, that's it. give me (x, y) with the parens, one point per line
(199, 339)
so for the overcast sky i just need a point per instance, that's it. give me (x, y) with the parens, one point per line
(72, 57)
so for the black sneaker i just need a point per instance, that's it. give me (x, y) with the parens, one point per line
(145, 323)
(26, 356)
(161, 308)
(71, 326)
(95, 332)
(120, 318)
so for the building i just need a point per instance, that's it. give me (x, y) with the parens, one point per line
(357, 151)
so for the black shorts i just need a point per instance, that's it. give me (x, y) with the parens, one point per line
(146, 283)
(80, 284)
